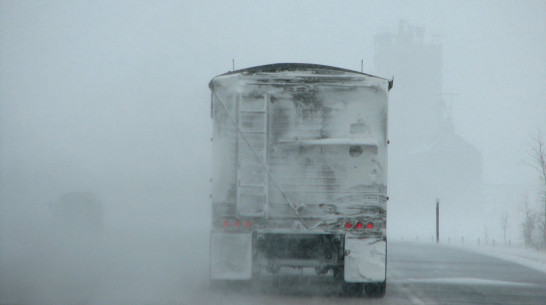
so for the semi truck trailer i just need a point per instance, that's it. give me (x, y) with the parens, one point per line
(299, 174)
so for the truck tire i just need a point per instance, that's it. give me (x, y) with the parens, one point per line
(321, 271)
(376, 290)
(338, 273)
(352, 289)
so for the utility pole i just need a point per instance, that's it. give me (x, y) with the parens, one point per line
(437, 220)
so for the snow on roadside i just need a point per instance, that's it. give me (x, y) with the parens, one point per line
(517, 254)
(530, 258)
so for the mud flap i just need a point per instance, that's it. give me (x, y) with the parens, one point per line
(230, 256)
(365, 260)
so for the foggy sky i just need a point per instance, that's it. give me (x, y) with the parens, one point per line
(112, 97)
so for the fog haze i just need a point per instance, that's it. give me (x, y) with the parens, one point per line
(111, 98)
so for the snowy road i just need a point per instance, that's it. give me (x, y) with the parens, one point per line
(140, 268)
(418, 274)
(442, 275)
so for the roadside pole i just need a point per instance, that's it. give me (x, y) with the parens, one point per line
(437, 220)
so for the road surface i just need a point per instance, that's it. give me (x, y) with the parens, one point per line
(417, 274)
(134, 268)
(433, 274)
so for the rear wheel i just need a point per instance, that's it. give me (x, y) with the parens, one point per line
(338, 273)
(321, 270)
(376, 290)
(352, 289)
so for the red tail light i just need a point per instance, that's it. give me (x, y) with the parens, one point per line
(237, 224)
(370, 225)
(348, 225)
(359, 225)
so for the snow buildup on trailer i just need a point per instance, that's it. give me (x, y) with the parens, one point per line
(299, 143)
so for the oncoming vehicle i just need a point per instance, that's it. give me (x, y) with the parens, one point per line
(300, 174)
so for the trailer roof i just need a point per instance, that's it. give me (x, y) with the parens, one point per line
(283, 67)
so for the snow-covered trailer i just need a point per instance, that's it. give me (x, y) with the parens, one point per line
(300, 173)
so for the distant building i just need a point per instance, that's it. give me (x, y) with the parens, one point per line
(417, 70)
(428, 158)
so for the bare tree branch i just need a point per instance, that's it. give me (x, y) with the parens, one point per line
(504, 225)
(537, 160)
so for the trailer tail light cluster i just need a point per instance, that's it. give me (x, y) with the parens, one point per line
(237, 224)
(359, 225)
